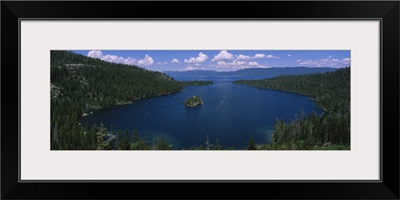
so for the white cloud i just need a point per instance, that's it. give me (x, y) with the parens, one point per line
(272, 56)
(346, 61)
(114, 59)
(146, 61)
(259, 55)
(190, 68)
(201, 58)
(253, 64)
(298, 60)
(236, 64)
(162, 63)
(221, 63)
(327, 62)
(246, 57)
(175, 60)
(130, 61)
(223, 55)
(95, 54)
(289, 55)
(243, 57)
(111, 58)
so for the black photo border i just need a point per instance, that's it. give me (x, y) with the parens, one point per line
(386, 11)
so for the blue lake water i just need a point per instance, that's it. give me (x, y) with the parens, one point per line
(232, 113)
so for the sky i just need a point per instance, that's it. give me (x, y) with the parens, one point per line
(222, 60)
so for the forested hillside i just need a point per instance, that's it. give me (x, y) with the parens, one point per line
(330, 91)
(80, 84)
(197, 83)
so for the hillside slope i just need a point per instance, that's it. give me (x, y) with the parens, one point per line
(330, 91)
(81, 84)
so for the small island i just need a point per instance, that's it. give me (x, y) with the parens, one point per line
(193, 102)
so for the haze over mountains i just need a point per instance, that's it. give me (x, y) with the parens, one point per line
(251, 72)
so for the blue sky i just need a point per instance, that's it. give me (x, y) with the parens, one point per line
(222, 60)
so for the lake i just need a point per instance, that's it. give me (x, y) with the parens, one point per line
(231, 113)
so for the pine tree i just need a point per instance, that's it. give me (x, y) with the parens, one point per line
(118, 140)
(251, 145)
(102, 144)
(92, 137)
(135, 136)
(217, 145)
(161, 144)
(142, 145)
(125, 142)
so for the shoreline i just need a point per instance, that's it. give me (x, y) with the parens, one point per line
(84, 114)
(311, 98)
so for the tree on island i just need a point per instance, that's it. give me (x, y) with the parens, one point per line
(193, 101)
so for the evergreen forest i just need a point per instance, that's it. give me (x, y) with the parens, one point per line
(80, 85)
(331, 130)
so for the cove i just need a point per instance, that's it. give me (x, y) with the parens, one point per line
(231, 113)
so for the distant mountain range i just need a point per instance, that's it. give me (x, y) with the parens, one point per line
(252, 72)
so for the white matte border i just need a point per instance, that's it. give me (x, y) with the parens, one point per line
(40, 36)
